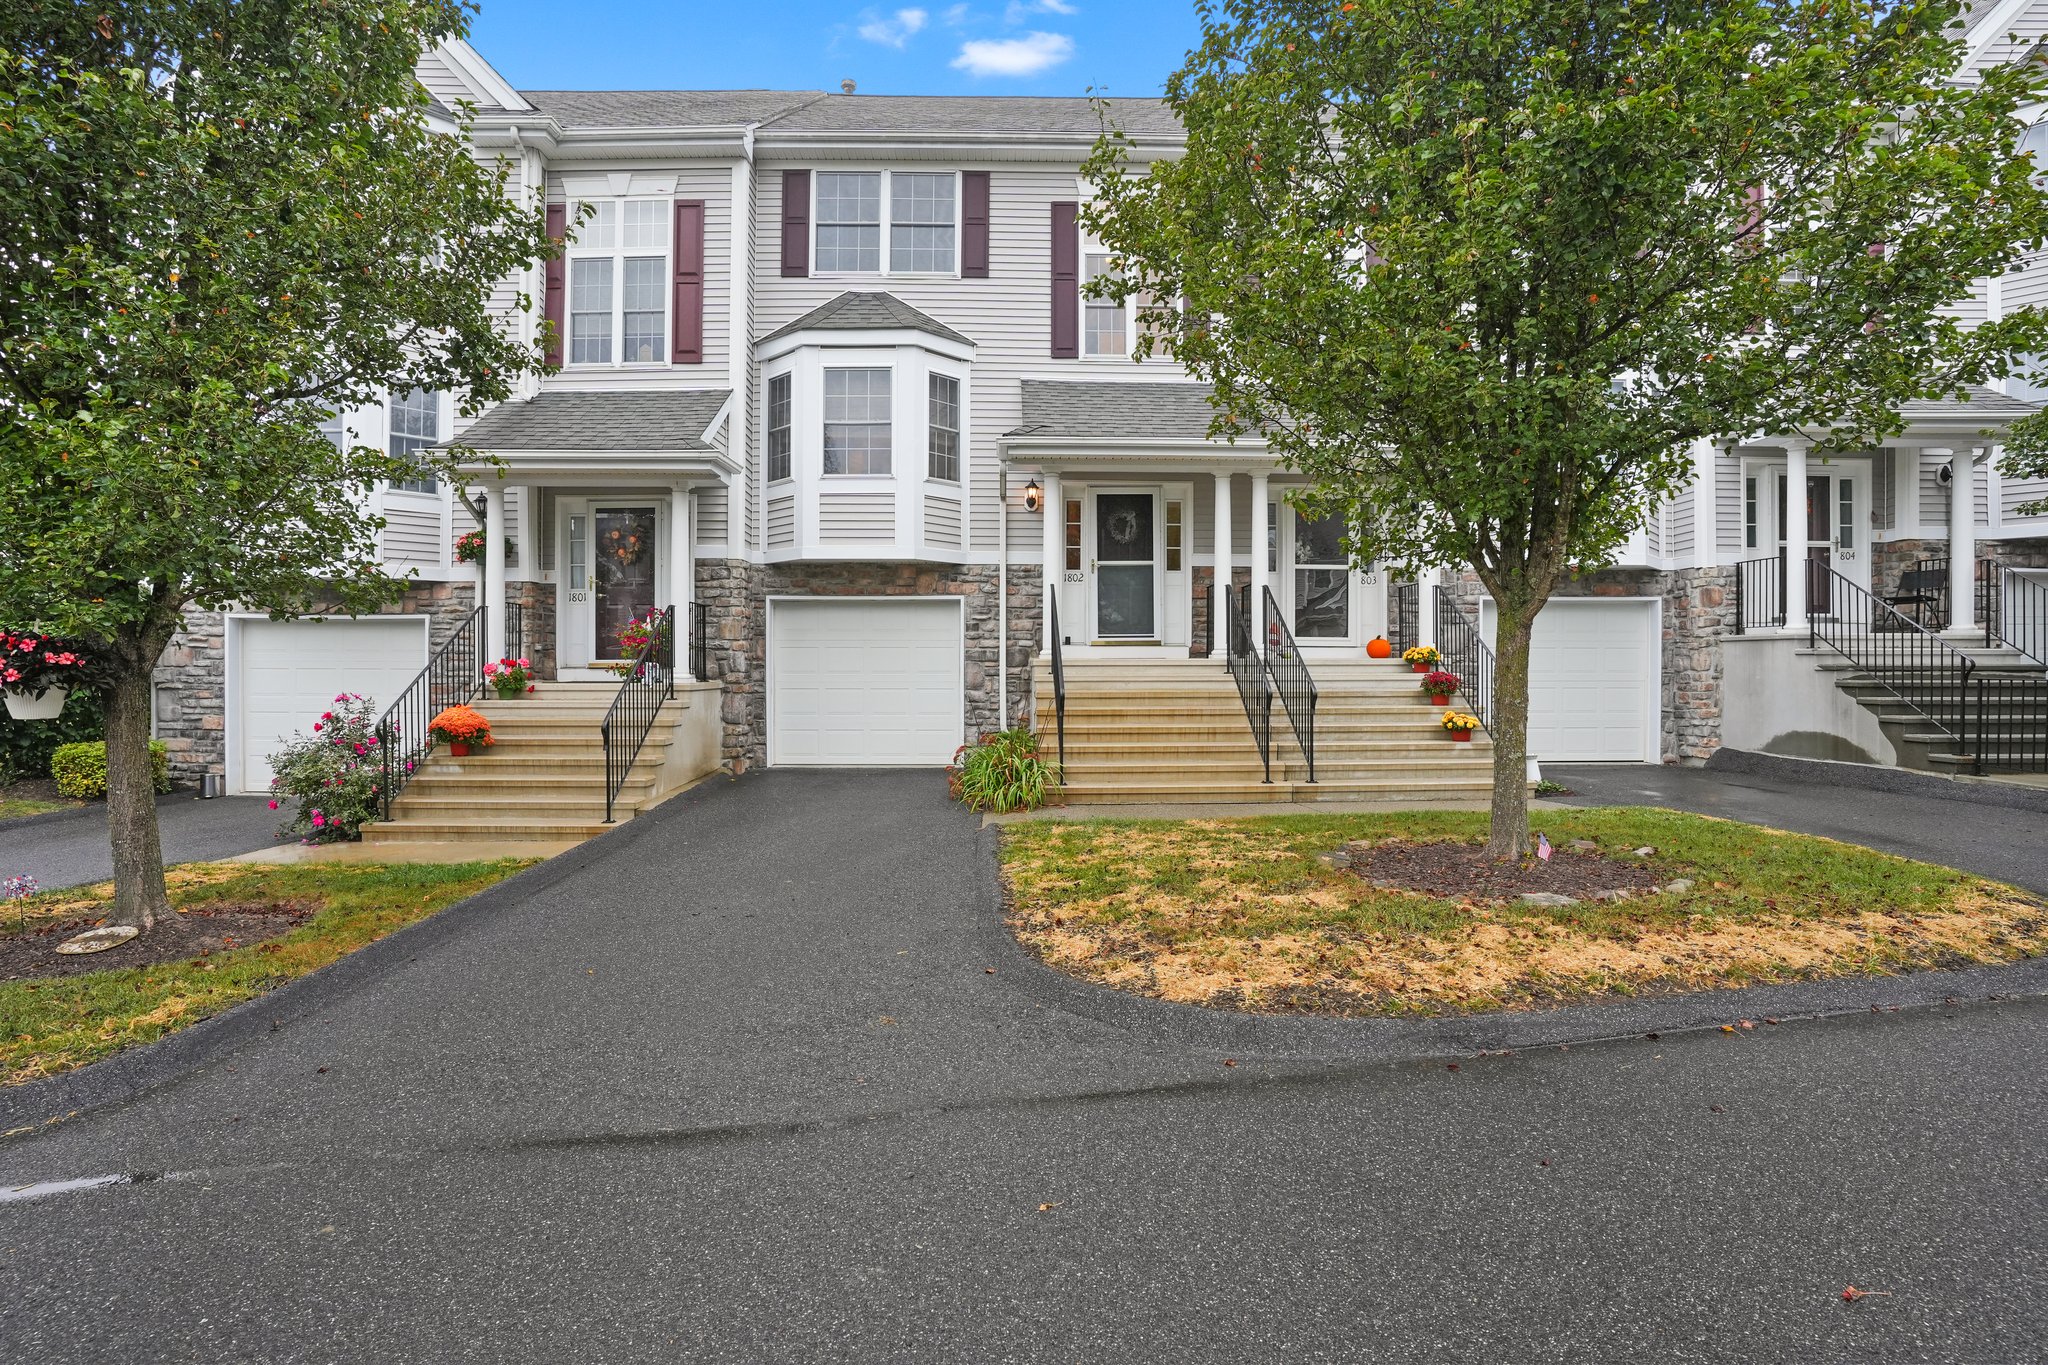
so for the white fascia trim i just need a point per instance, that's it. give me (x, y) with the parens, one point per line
(876, 339)
(479, 76)
(1992, 30)
(520, 466)
(1245, 457)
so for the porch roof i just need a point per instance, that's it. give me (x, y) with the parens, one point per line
(1110, 418)
(638, 422)
(1985, 407)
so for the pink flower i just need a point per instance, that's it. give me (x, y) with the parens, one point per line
(529, 687)
(316, 727)
(318, 820)
(273, 805)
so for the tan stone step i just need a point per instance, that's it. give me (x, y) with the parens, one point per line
(486, 831)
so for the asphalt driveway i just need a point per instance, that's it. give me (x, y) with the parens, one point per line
(72, 849)
(738, 1082)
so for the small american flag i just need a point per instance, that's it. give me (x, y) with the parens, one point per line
(1542, 846)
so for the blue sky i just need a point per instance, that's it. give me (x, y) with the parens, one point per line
(930, 47)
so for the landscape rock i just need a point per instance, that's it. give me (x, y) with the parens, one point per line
(1545, 898)
(1618, 894)
(1585, 846)
(1645, 851)
(1682, 884)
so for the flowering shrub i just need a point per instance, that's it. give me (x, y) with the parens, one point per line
(332, 774)
(1439, 682)
(469, 549)
(460, 725)
(509, 677)
(1459, 721)
(34, 663)
(1421, 654)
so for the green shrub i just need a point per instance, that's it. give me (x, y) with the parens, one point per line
(81, 769)
(26, 746)
(1002, 772)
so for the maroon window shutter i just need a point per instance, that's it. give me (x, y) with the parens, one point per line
(552, 290)
(796, 224)
(688, 348)
(1066, 282)
(974, 225)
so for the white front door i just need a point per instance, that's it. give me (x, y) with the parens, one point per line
(1827, 530)
(611, 573)
(862, 682)
(1125, 544)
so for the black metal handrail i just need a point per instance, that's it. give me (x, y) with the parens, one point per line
(1290, 675)
(1923, 671)
(1759, 594)
(1059, 676)
(700, 641)
(1208, 620)
(650, 680)
(453, 675)
(2007, 727)
(1468, 656)
(1247, 668)
(515, 631)
(2015, 610)
(1404, 615)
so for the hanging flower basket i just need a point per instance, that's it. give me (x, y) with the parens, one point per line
(45, 705)
(38, 672)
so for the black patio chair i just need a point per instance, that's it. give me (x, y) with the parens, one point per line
(1920, 594)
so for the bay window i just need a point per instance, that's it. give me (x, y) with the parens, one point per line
(944, 428)
(858, 431)
(618, 284)
(779, 433)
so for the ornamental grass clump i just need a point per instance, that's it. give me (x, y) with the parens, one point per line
(333, 775)
(1002, 771)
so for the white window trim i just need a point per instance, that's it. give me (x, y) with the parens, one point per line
(895, 424)
(887, 202)
(391, 487)
(959, 480)
(617, 254)
(787, 371)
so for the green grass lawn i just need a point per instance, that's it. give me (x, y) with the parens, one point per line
(51, 1024)
(14, 807)
(1242, 914)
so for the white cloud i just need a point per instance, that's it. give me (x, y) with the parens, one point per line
(1026, 56)
(1017, 11)
(954, 15)
(893, 31)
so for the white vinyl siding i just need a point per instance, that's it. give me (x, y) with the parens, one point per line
(942, 521)
(856, 518)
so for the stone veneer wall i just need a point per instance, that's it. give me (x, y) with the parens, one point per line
(736, 595)
(191, 677)
(1699, 608)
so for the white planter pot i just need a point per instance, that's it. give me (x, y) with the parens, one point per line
(25, 706)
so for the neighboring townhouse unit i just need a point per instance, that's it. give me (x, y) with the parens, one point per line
(831, 385)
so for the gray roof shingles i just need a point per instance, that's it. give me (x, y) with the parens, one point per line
(1107, 410)
(865, 312)
(619, 421)
(1989, 404)
(815, 111)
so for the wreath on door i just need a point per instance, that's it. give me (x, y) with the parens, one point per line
(623, 546)
(1122, 527)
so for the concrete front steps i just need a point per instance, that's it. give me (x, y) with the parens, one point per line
(1146, 731)
(542, 783)
(1893, 694)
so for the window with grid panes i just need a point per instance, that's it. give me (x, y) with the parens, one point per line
(618, 284)
(858, 432)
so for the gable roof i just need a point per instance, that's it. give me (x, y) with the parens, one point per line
(855, 311)
(675, 419)
(1110, 410)
(816, 111)
(666, 108)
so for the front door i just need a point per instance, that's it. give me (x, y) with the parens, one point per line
(1824, 531)
(611, 571)
(1124, 528)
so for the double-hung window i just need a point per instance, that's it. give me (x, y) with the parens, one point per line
(858, 431)
(1102, 327)
(944, 425)
(888, 222)
(618, 284)
(779, 432)
(415, 424)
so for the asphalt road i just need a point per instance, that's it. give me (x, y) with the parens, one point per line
(73, 849)
(737, 1083)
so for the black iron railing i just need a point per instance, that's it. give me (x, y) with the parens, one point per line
(1404, 616)
(2007, 727)
(1468, 656)
(2014, 608)
(1208, 648)
(1059, 675)
(453, 675)
(515, 631)
(1290, 675)
(1923, 671)
(1241, 656)
(700, 641)
(1759, 594)
(650, 680)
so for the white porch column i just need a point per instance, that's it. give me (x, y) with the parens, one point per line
(1962, 539)
(1226, 569)
(1055, 528)
(1796, 535)
(1262, 572)
(682, 572)
(494, 570)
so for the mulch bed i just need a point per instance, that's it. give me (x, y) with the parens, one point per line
(33, 789)
(196, 933)
(1464, 870)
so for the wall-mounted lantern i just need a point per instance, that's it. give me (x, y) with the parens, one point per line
(1034, 496)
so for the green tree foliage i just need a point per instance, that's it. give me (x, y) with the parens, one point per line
(224, 221)
(1485, 269)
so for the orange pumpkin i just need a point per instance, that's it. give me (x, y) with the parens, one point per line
(1380, 648)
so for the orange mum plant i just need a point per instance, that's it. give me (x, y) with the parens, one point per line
(460, 725)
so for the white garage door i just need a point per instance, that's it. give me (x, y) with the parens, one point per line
(1592, 680)
(287, 673)
(860, 682)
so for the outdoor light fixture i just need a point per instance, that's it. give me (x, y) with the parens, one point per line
(1034, 496)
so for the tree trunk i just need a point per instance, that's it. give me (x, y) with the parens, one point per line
(140, 898)
(1508, 836)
